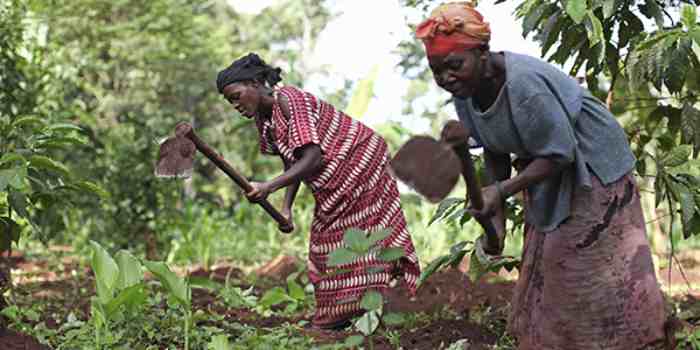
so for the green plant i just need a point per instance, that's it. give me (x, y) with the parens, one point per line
(480, 263)
(119, 285)
(357, 244)
(178, 289)
(689, 339)
(294, 295)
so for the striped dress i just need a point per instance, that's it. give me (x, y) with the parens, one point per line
(353, 189)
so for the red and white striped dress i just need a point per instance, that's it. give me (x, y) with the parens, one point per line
(352, 189)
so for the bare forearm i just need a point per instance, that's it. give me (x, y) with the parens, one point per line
(538, 170)
(291, 194)
(308, 164)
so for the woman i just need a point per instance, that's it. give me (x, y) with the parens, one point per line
(587, 279)
(344, 163)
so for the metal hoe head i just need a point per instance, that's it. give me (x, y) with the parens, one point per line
(176, 157)
(428, 166)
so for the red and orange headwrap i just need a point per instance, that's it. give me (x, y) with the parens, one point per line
(453, 26)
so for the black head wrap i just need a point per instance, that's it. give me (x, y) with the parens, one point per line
(248, 68)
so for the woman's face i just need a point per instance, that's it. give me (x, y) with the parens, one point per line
(244, 96)
(459, 73)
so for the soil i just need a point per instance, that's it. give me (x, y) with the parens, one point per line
(10, 340)
(446, 309)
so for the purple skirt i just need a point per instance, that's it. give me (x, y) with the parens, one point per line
(590, 283)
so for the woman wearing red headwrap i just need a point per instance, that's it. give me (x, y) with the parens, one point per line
(586, 280)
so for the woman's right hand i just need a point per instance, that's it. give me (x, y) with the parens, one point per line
(287, 214)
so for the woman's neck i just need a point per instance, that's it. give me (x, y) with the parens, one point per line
(494, 77)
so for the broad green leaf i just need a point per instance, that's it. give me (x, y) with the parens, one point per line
(576, 9)
(432, 268)
(678, 156)
(379, 235)
(42, 162)
(9, 232)
(594, 29)
(130, 270)
(476, 268)
(372, 300)
(11, 158)
(445, 208)
(131, 298)
(354, 341)
(659, 188)
(106, 272)
(175, 285)
(203, 283)
(391, 254)
(60, 142)
(219, 342)
(356, 240)
(393, 319)
(652, 10)
(28, 121)
(689, 16)
(295, 290)
(14, 177)
(368, 323)
(685, 199)
(63, 127)
(341, 256)
(19, 203)
(608, 8)
(91, 187)
(695, 34)
(273, 297)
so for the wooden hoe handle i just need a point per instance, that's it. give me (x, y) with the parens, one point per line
(456, 135)
(186, 130)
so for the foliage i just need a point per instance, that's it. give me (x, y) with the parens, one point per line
(35, 186)
(358, 244)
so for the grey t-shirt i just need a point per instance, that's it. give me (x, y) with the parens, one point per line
(542, 112)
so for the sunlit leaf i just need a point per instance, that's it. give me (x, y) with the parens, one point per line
(175, 285)
(368, 323)
(274, 297)
(608, 8)
(594, 29)
(130, 270)
(106, 272)
(219, 342)
(42, 162)
(678, 156)
(689, 16)
(576, 9)
(445, 208)
(132, 298)
(295, 290)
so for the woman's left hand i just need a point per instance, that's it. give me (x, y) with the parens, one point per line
(259, 192)
(492, 202)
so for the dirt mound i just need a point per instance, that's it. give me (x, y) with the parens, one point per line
(450, 288)
(10, 340)
(279, 268)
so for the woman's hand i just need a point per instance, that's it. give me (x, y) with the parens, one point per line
(287, 214)
(492, 203)
(259, 192)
